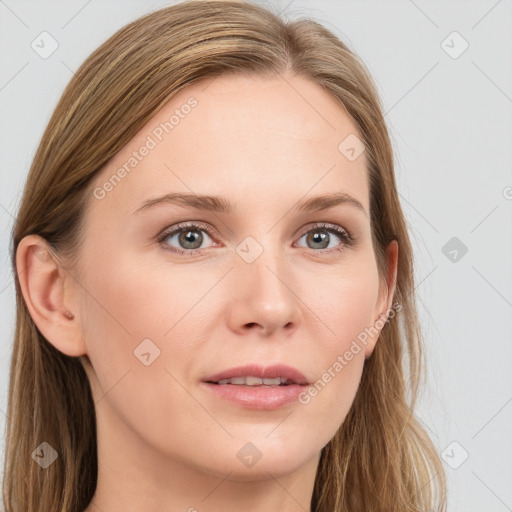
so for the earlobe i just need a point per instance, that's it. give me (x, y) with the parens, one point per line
(48, 294)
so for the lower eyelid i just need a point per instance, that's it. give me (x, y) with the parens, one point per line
(345, 241)
(341, 233)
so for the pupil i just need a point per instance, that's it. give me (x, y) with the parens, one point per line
(319, 237)
(191, 237)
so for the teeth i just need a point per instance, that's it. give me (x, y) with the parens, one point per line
(253, 381)
(236, 380)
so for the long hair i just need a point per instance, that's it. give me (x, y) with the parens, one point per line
(381, 459)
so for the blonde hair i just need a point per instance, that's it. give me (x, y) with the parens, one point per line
(381, 458)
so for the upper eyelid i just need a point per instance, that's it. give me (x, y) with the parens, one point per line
(171, 230)
(167, 232)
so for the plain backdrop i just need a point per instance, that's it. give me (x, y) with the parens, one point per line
(444, 72)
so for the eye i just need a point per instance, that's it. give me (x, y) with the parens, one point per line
(188, 237)
(320, 237)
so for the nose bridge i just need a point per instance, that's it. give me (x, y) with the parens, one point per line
(263, 288)
(265, 260)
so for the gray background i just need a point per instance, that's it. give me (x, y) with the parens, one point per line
(451, 126)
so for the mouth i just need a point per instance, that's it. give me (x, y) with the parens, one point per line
(255, 375)
(257, 387)
(253, 381)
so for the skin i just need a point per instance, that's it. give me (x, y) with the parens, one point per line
(165, 443)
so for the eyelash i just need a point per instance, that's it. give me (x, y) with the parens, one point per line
(344, 235)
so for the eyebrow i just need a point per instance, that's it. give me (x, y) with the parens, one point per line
(221, 205)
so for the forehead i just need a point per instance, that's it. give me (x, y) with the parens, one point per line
(242, 137)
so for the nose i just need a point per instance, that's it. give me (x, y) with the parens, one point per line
(263, 300)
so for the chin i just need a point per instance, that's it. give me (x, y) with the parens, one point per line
(246, 462)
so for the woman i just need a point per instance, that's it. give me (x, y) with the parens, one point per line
(214, 280)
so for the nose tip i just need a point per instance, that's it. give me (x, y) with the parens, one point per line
(265, 304)
(268, 327)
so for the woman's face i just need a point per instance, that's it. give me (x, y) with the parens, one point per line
(261, 283)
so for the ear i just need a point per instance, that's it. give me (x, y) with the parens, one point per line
(49, 294)
(386, 293)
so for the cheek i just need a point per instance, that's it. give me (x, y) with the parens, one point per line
(128, 315)
(139, 322)
(140, 298)
(343, 301)
(345, 310)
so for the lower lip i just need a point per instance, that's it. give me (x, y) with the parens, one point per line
(257, 397)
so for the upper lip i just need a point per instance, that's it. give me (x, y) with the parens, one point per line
(292, 375)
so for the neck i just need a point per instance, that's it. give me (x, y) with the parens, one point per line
(134, 476)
